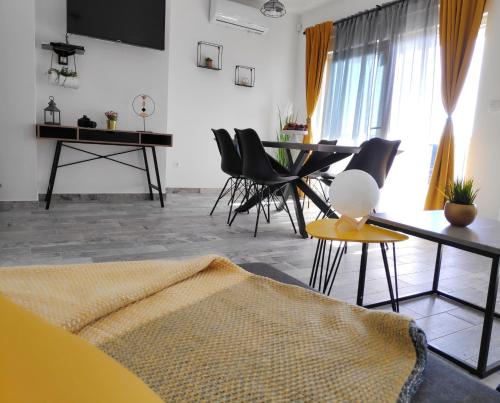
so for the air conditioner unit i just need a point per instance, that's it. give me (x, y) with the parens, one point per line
(237, 16)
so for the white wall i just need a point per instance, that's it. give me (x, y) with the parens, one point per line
(189, 100)
(111, 74)
(17, 108)
(201, 99)
(484, 161)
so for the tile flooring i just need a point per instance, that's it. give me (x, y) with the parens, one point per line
(84, 232)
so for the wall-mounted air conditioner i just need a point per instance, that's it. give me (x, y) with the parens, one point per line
(237, 16)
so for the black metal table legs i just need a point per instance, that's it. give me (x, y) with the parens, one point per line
(158, 181)
(323, 276)
(482, 369)
(489, 316)
(53, 172)
(148, 176)
(56, 166)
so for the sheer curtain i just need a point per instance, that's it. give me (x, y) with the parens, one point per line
(416, 109)
(361, 74)
(383, 82)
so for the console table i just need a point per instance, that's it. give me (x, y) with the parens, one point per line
(140, 141)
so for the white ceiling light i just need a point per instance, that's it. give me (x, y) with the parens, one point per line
(273, 9)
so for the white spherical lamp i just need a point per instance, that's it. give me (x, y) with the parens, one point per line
(354, 194)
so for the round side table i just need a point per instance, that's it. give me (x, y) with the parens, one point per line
(326, 231)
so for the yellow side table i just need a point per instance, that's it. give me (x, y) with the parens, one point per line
(327, 231)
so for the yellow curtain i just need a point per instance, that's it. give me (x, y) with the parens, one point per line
(459, 22)
(317, 45)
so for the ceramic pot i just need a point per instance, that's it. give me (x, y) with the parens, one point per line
(460, 215)
(69, 82)
(53, 77)
(111, 124)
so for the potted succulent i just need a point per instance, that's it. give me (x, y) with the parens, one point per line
(209, 63)
(460, 209)
(112, 118)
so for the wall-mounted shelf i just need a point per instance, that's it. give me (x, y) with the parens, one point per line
(244, 76)
(209, 56)
(63, 50)
(209, 68)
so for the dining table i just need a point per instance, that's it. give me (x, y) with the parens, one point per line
(300, 166)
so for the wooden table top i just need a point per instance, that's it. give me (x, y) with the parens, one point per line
(312, 147)
(483, 235)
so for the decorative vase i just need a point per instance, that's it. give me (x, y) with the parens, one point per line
(111, 124)
(460, 215)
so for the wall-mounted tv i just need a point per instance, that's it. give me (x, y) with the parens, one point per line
(136, 22)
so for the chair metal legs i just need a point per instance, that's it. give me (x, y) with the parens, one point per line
(264, 195)
(237, 188)
(222, 193)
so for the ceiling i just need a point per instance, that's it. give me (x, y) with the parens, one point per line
(292, 6)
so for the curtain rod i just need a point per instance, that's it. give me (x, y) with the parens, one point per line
(376, 8)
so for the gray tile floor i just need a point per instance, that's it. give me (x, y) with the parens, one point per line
(84, 232)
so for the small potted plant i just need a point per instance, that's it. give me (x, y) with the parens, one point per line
(209, 63)
(460, 209)
(112, 118)
(65, 77)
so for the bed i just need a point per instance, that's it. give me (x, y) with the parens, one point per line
(207, 329)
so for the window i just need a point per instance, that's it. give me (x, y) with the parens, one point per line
(391, 88)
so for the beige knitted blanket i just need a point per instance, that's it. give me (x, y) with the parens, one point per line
(206, 330)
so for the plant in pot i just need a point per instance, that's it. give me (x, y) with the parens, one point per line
(460, 209)
(112, 118)
(209, 63)
(65, 77)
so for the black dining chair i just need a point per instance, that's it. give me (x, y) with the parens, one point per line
(375, 157)
(265, 180)
(231, 164)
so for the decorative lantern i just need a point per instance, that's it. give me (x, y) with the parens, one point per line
(52, 114)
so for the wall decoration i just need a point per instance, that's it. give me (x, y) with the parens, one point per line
(52, 114)
(144, 106)
(209, 56)
(64, 76)
(244, 76)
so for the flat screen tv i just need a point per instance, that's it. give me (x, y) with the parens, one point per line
(136, 22)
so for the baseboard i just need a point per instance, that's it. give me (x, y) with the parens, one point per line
(193, 190)
(103, 197)
(14, 205)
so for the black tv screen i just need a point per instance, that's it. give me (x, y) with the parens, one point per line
(136, 22)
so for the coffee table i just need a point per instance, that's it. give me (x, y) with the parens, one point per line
(481, 238)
